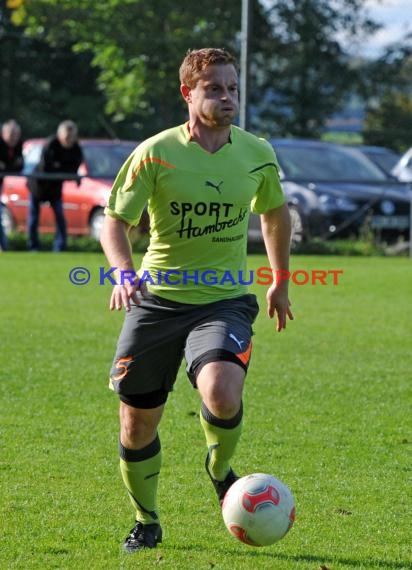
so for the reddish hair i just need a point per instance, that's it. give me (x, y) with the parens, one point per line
(197, 60)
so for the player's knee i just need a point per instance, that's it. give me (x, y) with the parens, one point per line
(137, 429)
(223, 401)
(220, 385)
(136, 435)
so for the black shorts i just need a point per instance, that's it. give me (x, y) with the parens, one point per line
(157, 334)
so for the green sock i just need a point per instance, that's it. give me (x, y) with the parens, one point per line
(221, 438)
(140, 471)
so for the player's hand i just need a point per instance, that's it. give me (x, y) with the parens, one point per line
(278, 303)
(122, 295)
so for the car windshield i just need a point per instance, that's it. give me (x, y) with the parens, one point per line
(386, 160)
(105, 160)
(326, 163)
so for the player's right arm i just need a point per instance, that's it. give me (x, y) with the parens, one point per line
(116, 246)
(130, 192)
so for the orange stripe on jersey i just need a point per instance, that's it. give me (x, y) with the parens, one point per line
(151, 159)
(245, 356)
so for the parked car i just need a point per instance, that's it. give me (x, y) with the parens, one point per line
(333, 190)
(83, 203)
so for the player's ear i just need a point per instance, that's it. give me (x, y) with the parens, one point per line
(186, 93)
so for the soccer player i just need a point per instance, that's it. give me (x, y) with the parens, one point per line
(200, 180)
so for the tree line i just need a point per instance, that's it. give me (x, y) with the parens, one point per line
(113, 66)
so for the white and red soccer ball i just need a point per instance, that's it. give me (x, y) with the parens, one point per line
(258, 509)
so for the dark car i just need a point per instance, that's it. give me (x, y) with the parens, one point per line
(333, 190)
(83, 203)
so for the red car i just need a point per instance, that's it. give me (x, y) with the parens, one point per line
(83, 203)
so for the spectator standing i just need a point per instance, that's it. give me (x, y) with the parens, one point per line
(60, 155)
(11, 160)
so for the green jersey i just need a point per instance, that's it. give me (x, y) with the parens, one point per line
(199, 205)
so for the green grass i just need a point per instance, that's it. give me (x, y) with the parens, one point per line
(343, 137)
(327, 410)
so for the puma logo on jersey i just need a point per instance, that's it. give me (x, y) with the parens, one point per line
(215, 186)
(237, 341)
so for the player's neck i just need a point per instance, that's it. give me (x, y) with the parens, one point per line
(211, 139)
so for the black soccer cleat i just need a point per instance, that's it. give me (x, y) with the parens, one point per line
(221, 487)
(143, 536)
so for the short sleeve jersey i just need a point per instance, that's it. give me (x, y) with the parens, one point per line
(199, 205)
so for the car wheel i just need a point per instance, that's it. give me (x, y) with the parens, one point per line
(7, 221)
(298, 227)
(96, 223)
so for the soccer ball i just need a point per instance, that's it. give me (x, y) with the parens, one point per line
(258, 509)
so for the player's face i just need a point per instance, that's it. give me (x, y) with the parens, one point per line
(215, 99)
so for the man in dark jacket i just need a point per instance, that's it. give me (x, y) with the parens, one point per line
(11, 160)
(60, 159)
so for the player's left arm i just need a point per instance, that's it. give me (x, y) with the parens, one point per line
(276, 231)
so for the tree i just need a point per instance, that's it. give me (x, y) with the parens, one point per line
(40, 85)
(135, 48)
(300, 71)
(388, 88)
(390, 123)
(308, 71)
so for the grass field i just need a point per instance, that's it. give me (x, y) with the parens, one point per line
(327, 410)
